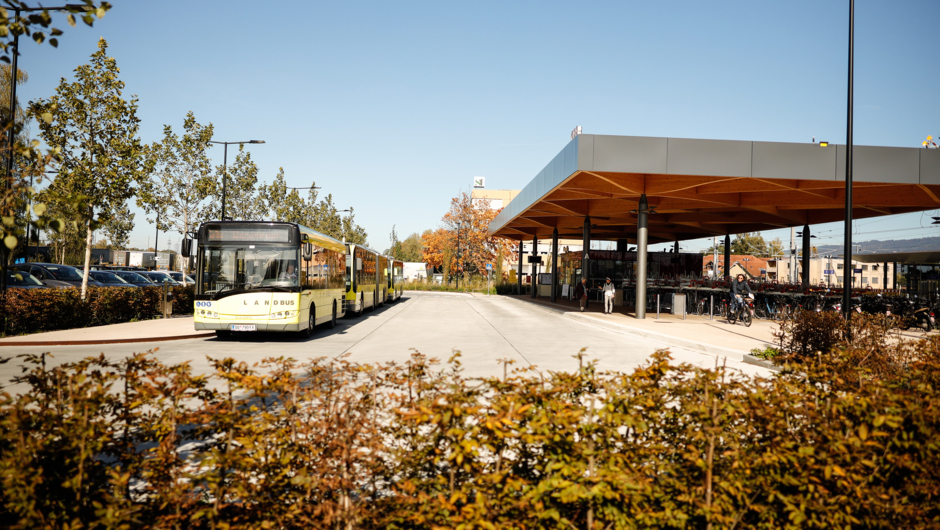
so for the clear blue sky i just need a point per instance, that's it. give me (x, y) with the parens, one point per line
(393, 107)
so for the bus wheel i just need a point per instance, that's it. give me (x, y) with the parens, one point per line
(311, 323)
(333, 321)
(223, 334)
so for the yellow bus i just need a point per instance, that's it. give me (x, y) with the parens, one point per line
(396, 277)
(266, 276)
(362, 278)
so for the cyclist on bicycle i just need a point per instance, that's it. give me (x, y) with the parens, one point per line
(738, 287)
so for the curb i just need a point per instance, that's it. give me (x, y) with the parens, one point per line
(441, 293)
(756, 361)
(693, 345)
(104, 341)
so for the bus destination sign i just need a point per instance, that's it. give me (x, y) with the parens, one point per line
(261, 235)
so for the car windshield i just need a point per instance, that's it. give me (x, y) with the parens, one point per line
(249, 267)
(64, 273)
(159, 277)
(22, 279)
(108, 277)
(133, 277)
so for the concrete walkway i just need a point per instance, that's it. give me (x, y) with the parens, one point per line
(715, 336)
(173, 328)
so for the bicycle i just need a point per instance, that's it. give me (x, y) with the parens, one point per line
(743, 312)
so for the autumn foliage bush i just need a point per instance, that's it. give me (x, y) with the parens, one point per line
(38, 310)
(838, 442)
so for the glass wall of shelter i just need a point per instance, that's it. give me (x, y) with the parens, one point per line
(620, 267)
(923, 279)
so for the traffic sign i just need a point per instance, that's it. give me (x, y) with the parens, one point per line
(829, 271)
(489, 266)
(858, 271)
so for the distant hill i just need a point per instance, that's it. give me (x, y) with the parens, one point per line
(876, 246)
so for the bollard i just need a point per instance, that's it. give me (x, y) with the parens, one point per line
(711, 307)
(657, 307)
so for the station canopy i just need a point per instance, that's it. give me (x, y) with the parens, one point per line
(703, 188)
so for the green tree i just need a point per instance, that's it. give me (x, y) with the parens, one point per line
(394, 249)
(412, 248)
(176, 190)
(242, 200)
(95, 130)
(747, 243)
(353, 233)
(117, 226)
(283, 205)
(17, 191)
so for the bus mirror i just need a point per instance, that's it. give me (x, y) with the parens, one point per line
(308, 251)
(187, 248)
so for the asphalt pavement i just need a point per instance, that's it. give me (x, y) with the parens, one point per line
(486, 330)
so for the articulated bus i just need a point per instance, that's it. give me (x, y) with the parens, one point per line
(364, 270)
(396, 276)
(266, 276)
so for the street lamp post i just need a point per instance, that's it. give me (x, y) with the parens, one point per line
(225, 165)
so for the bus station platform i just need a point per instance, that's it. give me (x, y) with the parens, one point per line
(157, 330)
(714, 336)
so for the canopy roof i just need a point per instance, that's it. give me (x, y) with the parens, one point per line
(702, 188)
(924, 256)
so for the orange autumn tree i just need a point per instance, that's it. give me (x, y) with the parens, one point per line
(476, 247)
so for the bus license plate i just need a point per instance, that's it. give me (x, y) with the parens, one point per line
(243, 327)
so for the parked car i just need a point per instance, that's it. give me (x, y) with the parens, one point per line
(135, 278)
(178, 276)
(23, 280)
(109, 279)
(160, 277)
(54, 275)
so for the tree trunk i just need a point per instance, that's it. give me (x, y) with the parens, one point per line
(88, 236)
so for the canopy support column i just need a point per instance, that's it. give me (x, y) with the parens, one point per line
(727, 271)
(585, 247)
(519, 273)
(554, 263)
(642, 236)
(534, 268)
(806, 255)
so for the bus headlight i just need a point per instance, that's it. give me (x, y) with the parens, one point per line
(284, 314)
(206, 313)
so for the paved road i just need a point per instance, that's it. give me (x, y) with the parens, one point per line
(483, 329)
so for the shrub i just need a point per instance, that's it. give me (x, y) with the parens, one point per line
(341, 445)
(38, 310)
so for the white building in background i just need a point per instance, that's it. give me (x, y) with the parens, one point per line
(499, 199)
(415, 271)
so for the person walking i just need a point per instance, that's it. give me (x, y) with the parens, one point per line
(609, 290)
(581, 293)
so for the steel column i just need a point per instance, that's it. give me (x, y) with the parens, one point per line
(642, 236)
(727, 275)
(532, 270)
(806, 253)
(554, 263)
(519, 273)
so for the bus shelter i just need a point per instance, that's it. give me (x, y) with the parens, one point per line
(642, 190)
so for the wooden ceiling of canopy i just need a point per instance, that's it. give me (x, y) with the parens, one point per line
(690, 207)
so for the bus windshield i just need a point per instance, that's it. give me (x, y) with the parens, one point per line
(239, 268)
